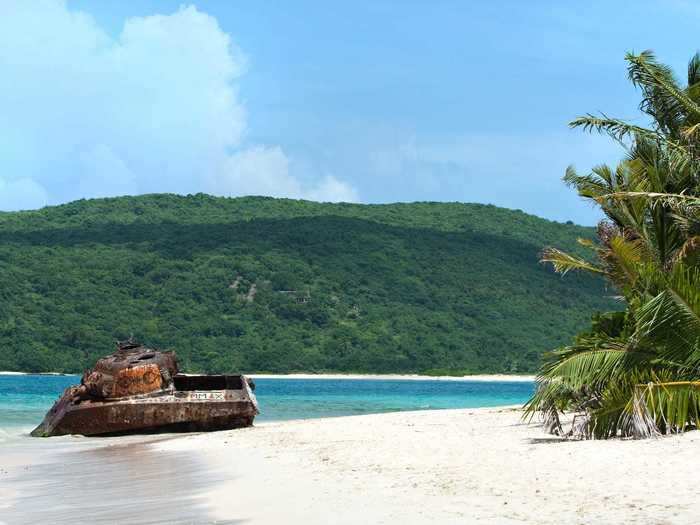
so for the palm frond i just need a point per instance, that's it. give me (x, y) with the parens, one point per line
(694, 70)
(564, 263)
(592, 363)
(670, 406)
(620, 414)
(592, 185)
(671, 319)
(655, 199)
(663, 98)
(550, 398)
(627, 255)
(621, 130)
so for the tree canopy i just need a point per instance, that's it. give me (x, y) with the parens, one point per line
(275, 285)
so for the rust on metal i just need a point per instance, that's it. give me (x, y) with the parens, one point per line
(141, 379)
(138, 389)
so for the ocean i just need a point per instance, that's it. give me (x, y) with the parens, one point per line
(24, 399)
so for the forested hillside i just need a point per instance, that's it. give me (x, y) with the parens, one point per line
(276, 285)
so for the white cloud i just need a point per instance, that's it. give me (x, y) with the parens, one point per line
(153, 110)
(331, 189)
(103, 174)
(21, 194)
(265, 171)
(513, 171)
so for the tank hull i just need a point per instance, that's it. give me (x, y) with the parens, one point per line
(173, 411)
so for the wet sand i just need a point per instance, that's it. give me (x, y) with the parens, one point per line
(72, 480)
(442, 467)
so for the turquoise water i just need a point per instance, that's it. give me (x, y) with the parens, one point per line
(310, 398)
(25, 399)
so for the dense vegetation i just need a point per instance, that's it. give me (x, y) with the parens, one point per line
(636, 372)
(261, 284)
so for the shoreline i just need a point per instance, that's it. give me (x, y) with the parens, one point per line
(382, 377)
(12, 373)
(403, 377)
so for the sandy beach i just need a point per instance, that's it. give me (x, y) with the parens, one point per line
(448, 466)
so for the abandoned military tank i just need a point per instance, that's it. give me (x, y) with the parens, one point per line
(140, 390)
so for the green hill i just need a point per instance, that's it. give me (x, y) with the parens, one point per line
(276, 285)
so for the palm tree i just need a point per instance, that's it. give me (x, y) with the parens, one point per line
(637, 372)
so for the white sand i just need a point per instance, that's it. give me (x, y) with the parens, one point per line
(413, 377)
(451, 466)
(436, 467)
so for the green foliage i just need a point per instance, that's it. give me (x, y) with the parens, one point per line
(637, 372)
(274, 285)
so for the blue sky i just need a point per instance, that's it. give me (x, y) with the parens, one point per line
(368, 101)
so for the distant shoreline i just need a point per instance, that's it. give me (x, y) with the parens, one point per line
(409, 377)
(11, 373)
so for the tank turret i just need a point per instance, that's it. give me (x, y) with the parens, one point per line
(132, 369)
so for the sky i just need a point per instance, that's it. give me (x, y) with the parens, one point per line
(368, 101)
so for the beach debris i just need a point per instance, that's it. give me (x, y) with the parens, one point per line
(138, 390)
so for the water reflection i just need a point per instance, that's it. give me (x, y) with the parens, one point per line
(106, 481)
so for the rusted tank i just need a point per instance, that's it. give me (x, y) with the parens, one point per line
(139, 390)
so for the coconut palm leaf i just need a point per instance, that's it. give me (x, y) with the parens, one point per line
(625, 257)
(598, 183)
(550, 398)
(591, 364)
(671, 319)
(656, 199)
(564, 263)
(694, 70)
(620, 131)
(672, 406)
(663, 98)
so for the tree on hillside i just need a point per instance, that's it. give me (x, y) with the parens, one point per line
(636, 372)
